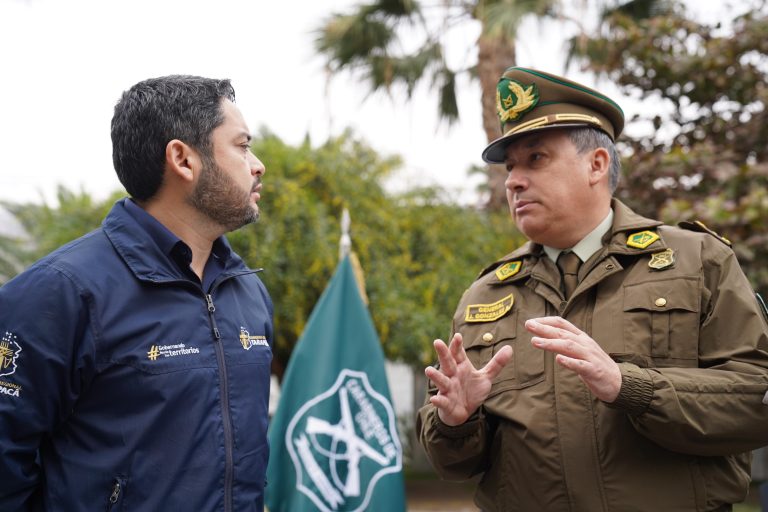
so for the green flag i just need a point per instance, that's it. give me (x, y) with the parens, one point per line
(334, 443)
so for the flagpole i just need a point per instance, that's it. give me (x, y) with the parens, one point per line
(345, 244)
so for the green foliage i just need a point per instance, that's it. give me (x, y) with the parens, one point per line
(501, 18)
(15, 244)
(415, 266)
(705, 157)
(52, 227)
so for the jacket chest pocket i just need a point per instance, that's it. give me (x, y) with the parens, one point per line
(483, 340)
(661, 321)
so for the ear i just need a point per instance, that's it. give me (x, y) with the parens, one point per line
(600, 166)
(181, 160)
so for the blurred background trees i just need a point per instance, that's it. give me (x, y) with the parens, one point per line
(702, 153)
(698, 151)
(401, 43)
(418, 250)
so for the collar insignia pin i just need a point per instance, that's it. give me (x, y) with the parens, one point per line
(642, 239)
(507, 270)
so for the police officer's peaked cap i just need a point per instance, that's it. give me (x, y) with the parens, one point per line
(528, 100)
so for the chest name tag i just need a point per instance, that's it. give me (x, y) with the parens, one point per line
(489, 312)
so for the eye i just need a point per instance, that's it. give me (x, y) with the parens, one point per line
(536, 158)
(510, 167)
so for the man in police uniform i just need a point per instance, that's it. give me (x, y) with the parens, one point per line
(612, 363)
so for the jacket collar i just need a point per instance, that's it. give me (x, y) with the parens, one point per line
(144, 257)
(625, 224)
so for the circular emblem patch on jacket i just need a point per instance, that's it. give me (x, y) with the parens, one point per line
(342, 442)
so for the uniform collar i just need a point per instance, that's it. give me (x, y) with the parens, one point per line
(627, 223)
(588, 245)
(614, 241)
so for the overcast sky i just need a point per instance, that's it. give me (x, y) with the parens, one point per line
(65, 64)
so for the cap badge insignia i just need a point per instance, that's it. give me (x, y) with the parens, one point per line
(662, 260)
(489, 312)
(642, 239)
(513, 99)
(507, 270)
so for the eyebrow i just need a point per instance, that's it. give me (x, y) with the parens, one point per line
(533, 142)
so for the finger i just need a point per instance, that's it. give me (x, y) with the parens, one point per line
(444, 357)
(498, 361)
(457, 349)
(547, 331)
(603, 381)
(578, 366)
(440, 401)
(567, 347)
(553, 322)
(441, 381)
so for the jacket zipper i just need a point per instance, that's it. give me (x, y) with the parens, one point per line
(224, 389)
(115, 496)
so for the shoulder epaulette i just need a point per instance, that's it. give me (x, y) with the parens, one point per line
(699, 226)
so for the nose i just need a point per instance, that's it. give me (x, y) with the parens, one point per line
(515, 181)
(257, 168)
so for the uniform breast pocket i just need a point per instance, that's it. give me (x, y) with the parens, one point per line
(661, 321)
(483, 340)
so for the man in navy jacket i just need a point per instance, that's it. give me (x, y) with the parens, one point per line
(134, 361)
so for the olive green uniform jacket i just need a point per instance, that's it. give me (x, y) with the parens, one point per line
(692, 345)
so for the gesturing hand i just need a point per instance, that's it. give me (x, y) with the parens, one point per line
(460, 387)
(577, 351)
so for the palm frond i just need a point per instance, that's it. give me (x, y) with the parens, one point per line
(395, 8)
(501, 18)
(640, 9)
(448, 107)
(385, 71)
(348, 39)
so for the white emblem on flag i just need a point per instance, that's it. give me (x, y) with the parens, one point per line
(339, 459)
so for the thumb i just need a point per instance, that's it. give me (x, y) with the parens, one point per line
(498, 362)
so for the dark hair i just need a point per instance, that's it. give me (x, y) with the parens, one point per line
(152, 113)
(587, 139)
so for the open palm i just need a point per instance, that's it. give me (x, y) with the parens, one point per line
(461, 388)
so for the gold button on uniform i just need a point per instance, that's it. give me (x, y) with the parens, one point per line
(661, 302)
(487, 337)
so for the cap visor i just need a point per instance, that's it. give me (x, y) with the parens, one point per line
(496, 151)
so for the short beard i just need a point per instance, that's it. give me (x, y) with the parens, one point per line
(218, 197)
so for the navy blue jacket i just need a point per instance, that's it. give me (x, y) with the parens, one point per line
(124, 385)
